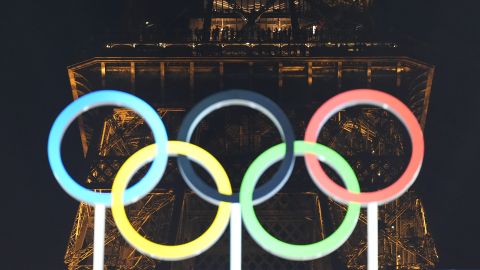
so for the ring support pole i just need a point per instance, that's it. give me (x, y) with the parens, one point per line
(372, 236)
(236, 237)
(99, 237)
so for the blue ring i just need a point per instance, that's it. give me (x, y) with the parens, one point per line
(98, 99)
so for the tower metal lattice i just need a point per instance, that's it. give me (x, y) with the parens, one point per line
(292, 70)
(372, 141)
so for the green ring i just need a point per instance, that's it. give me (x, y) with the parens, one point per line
(293, 251)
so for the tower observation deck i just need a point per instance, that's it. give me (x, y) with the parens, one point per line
(297, 53)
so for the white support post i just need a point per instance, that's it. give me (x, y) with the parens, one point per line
(372, 236)
(236, 237)
(98, 237)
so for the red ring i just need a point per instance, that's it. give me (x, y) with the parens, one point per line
(365, 97)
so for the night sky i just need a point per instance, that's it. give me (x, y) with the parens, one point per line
(40, 38)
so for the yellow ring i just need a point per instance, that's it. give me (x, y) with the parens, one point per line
(171, 252)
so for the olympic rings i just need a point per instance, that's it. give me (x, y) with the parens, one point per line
(276, 246)
(254, 101)
(387, 102)
(97, 99)
(168, 252)
(248, 195)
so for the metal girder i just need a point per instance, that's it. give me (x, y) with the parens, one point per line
(367, 127)
(255, 15)
(354, 249)
(207, 21)
(294, 19)
(237, 9)
(80, 248)
(250, 17)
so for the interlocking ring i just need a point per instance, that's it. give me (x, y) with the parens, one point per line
(98, 99)
(239, 98)
(366, 97)
(292, 251)
(168, 252)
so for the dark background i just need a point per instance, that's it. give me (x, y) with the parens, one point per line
(40, 38)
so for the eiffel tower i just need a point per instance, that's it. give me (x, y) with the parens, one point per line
(298, 53)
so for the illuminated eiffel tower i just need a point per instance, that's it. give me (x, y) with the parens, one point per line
(279, 49)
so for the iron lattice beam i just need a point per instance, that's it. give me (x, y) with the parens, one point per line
(80, 246)
(355, 134)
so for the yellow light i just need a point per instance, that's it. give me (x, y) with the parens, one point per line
(171, 252)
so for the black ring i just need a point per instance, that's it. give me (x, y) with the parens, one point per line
(242, 98)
